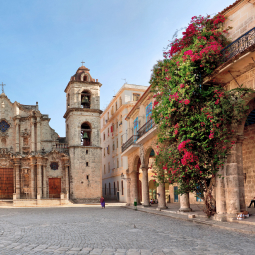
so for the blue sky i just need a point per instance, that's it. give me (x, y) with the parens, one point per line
(44, 41)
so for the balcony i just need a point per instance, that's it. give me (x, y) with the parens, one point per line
(238, 58)
(239, 45)
(129, 142)
(145, 128)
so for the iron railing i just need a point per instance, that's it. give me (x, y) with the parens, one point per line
(129, 142)
(239, 45)
(145, 128)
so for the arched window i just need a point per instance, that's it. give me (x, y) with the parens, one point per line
(85, 99)
(85, 134)
(85, 78)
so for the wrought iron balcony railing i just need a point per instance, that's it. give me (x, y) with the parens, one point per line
(239, 45)
(146, 127)
(129, 142)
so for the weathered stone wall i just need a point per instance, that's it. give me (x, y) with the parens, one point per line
(242, 20)
(83, 189)
(249, 162)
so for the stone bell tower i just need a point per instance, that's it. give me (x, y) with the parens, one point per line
(83, 136)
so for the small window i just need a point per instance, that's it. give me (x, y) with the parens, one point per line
(113, 148)
(122, 188)
(136, 97)
(109, 167)
(104, 136)
(87, 163)
(87, 177)
(104, 152)
(87, 151)
(104, 170)
(117, 163)
(85, 78)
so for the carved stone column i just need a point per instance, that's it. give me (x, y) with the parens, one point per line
(44, 182)
(33, 178)
(17, 135)
(161, 196)
(145, 187)
(231, 182)
(32, 135)
(67, 180)
(38, 144)
(184, 203)
(134, 187)
(220, 196)
(17, 171)
(39, 178)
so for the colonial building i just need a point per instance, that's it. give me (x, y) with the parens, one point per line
(36, 165)
(114, 132)
(140, 148)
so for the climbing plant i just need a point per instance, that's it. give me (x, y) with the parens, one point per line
(195, 120)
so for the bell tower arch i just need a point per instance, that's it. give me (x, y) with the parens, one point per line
(83, 136)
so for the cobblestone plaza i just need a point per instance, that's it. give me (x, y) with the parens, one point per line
(115, 230)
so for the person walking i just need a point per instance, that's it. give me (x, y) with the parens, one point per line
(102, 202)
(252, 202)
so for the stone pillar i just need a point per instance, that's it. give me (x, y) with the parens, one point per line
(17, 171)
(39, 178)
(184, 203)
(17, 135)
(231, 182)
(145, 187)
(128, 192)
(32, 135)
(67, 181)
(38, 145)
(161, 196)
(32, 169)
(134, 187)
(220, 196)
(239, 152)
(44, 182)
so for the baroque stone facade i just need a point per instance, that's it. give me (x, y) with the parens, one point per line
(37, 167)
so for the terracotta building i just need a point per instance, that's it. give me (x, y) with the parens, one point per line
(37, 167)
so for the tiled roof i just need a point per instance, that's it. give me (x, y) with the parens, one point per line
(231, 6)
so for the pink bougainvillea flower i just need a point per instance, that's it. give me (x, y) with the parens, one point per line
(186, 101)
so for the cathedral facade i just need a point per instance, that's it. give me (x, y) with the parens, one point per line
(37, 166)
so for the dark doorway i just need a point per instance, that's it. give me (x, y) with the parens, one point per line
(54, 187)
(6, 183)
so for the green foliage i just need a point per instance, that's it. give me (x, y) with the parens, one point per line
(195, 121)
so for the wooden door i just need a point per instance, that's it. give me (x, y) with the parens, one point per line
(6, 183)
(54, 187)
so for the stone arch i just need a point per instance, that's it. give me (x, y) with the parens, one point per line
(85, 77)
(86, 98)
(86, 132)
(148, 153)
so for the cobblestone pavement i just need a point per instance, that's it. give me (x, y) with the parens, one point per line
(115, 230)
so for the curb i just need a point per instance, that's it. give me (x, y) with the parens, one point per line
(212, 223)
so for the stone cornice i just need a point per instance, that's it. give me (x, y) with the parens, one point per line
(81, 110)
(83, 82)
(85, 147)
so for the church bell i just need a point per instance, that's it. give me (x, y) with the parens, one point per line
(85, 100)
(85, 135)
